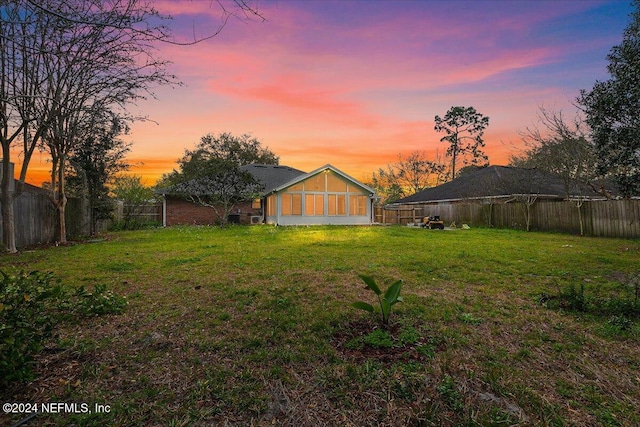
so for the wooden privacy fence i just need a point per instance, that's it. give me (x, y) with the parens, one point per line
(125, 212)
(36, 219)
(611, 218)
(151, 212)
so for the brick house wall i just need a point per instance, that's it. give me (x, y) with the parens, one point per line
(183, 212)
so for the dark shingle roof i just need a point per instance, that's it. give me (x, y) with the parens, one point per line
(271, 176)
(29, 188)
(498, 181)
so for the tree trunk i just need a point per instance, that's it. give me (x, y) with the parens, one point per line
(580, 219)
(453, 164)
(6, 200)
(86, 209)
(226, 211)
(58, 197)
(61, 203)
(8, 222)
(489, 216)
(62, 224)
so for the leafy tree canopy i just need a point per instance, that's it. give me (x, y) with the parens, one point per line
(216, 151)
(95, 163)
(236, 150)
(210, 175)
(612, 111)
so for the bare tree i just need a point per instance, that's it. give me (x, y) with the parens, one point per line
(524, 186)
(527, 185)
(526, 202)
(92, 71)
(559, 147)
(386, 187)
(409, 175)
(244, 10)
(562, 148)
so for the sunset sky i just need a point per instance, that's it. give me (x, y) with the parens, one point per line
(356, 83)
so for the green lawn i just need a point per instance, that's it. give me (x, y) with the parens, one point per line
(253, 326)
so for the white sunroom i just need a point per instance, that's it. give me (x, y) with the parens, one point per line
(323, 196)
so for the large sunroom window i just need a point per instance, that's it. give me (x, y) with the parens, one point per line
(291, 204)
(357, 205)
(337, 204)
(314, 204)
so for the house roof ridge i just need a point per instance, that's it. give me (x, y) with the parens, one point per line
(269, 165)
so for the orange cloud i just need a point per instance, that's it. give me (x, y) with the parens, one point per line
(151, 169)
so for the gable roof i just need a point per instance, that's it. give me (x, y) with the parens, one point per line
(271, 176)
(499, 182)
(317, 171)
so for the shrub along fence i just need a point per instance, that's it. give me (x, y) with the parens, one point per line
(36, 219)
(611, 218)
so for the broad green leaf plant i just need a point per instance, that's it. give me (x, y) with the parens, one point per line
(388, 300)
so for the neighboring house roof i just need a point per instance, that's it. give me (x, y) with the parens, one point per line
(272, 176)
(26, 187)
(29, 188)
(500, 182)
(317, 171)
